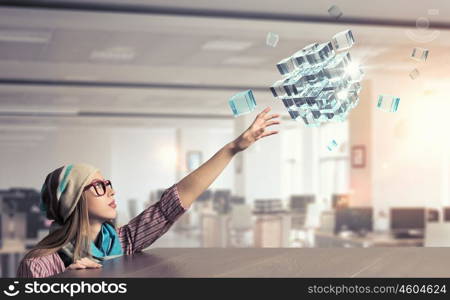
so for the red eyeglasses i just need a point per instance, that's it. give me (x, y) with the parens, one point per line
(99, 186)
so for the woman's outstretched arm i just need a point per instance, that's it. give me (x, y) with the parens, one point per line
(195, 183)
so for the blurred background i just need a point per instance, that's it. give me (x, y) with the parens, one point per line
(140, 89)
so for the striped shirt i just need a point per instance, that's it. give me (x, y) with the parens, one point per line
(138, 234)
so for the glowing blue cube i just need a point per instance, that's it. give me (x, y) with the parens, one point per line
(388, 103)
(414, 74)
(335, 12)
(242, 103)
(272, 39)
(277, 88)
(286, 66)
(419, 54)
(332, 145)
(343, 40)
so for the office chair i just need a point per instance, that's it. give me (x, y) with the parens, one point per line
(437, 235)
(240, 222)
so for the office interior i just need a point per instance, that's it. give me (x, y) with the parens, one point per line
(140, 90)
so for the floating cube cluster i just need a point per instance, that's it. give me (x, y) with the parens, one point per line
(320, 82)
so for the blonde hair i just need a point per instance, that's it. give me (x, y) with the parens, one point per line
(75, 229)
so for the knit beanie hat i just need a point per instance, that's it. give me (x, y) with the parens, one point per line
(62, 190)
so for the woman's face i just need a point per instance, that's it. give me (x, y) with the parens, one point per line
(103, 207)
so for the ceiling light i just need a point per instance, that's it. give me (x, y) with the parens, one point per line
(39, 110)
(244, 60)
(115, 53)
(24, 36)
(25, 128)
(20, 138)
(224, 45)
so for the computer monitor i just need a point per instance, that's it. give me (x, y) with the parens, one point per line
(446, 214)
(356, 219)
(159, 194)
(407, 221)
(432, 215)
(268, 206)
(25, 198)
(237, 200)
(34, 224)
(340, 200)
(205, 196)
(10, 203)
(298, 203)
(1, 231)
(221, 201)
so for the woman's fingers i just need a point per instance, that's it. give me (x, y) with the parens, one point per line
(270, 123)
(264, 112)
(272, 116)
(89, 263)
(84, 263)
(269, 133)
(76, 266)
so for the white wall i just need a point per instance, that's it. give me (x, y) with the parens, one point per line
(208, 141)
(27, 166)
(142, 160)
(137, 160)
(261, 176)
(408, 146)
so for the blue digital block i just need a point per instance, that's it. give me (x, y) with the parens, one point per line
(414, 74)
(294, 113)
(335, 12)
(332, 145)
(277, 88)
(286, 66)
(272, 39)
(320, 54)
(343, 40)
(388, 103)
(419, 54)
(242, 103)
(318, 84)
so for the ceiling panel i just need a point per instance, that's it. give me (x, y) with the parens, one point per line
(169, 50)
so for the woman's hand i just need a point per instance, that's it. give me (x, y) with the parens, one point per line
(257, 130)
(84, 263)
(195, 183)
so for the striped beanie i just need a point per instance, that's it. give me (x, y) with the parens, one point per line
(62, 190)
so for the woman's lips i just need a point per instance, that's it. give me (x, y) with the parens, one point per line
(113, 204)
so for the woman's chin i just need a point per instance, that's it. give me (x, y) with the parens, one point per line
(109, 216)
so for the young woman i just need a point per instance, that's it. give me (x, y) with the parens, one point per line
(81, 204)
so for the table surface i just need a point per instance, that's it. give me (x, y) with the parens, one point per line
(375, 239)
(276, 262)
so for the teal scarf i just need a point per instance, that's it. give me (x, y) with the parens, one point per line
(109, 243)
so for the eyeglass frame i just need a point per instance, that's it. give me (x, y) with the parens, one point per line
(104, 182)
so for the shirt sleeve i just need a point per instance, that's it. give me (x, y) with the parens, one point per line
(40, 267)
(152, 223)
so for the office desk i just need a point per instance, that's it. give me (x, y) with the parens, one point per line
(325, 239)
(276, 262)
(10, 255)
